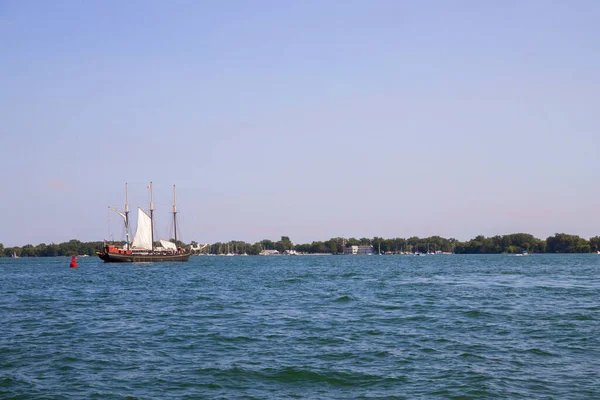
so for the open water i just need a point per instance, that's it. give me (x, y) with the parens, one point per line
(324, 327)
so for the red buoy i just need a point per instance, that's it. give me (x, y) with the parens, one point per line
(73, 262)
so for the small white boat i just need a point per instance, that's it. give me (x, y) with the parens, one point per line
(14, 255)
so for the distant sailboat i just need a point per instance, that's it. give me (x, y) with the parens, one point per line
(142, 247)
(14, 255)
(229, 253)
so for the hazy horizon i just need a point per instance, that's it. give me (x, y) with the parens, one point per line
(310, 120)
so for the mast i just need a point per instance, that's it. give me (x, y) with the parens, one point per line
(175, 214)
(151, 216)
(126, 216)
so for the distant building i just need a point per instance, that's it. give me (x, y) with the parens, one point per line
(358, 250)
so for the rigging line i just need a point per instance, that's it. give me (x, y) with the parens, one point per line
(108, 223)
(179, 237)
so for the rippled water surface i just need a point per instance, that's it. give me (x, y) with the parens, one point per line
(302, 327)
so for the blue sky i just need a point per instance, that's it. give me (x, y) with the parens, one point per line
(306, 119)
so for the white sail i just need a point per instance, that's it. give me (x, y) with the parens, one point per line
(143, 233)
(168, 245)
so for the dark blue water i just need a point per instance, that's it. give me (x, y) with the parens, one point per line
(468, 327)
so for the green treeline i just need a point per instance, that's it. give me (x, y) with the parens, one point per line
(513, 243)
(72, 247)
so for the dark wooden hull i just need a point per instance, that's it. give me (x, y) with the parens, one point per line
(127, 258)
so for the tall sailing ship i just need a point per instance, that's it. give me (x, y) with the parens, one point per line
(142, 248)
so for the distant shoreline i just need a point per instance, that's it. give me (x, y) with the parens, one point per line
(500, 244)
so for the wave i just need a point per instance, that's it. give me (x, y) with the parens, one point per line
(343, 299)
(540, 352)
(470, 355)
(296, 374)
(477, 314)
(232, 339)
